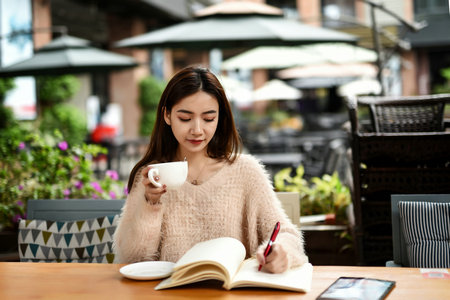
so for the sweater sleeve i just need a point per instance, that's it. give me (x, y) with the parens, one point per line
(138, 234)
(268, 210)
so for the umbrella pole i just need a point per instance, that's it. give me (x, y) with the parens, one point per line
(376, 43)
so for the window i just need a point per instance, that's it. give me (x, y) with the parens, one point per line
(431, 7)
(336, 12)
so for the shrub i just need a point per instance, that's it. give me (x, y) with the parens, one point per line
(6, 84)
(150, 91)
(56, 89)
(68, 119)
(36, 168)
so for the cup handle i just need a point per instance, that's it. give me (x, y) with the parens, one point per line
(151, 174)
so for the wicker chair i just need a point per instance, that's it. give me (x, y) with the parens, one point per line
(407, 159)
(407, 114)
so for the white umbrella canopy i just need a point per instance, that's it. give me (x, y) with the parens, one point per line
(244, 26)
(68, 55)
(235, 90)
(341, 53)
(276, 89)
(330, 70)
(269, 57)
(360, 87)
(284, 57)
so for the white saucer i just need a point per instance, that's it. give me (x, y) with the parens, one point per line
(147, 270)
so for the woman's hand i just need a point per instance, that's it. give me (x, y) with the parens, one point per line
(277, 260)
(152, 193)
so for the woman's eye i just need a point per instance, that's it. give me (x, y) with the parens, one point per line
(185, 120)
(210, 120)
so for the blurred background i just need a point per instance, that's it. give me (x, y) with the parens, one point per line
(287, 95)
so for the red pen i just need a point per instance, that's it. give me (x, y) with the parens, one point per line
(271, 241)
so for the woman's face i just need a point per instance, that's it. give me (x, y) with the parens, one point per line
(194, 121)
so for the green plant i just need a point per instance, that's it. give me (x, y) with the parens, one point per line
(326, 195)
(68, 119)
(6, 114)
(445, 87)
(6, 84)
(56, 89)
(150, 91)
(33, 167)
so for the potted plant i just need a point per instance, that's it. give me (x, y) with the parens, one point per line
(326, 195)
(328, 242)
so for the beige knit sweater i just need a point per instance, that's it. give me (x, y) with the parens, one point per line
(238, 201)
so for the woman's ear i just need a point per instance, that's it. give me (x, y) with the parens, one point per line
(166, 117)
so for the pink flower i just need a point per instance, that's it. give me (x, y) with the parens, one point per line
(97, 186)
(20, 187)
(21, 146)
(20, 203)
(125, 190)
(79, 184)
(63, 145)
(66, 193)
(112, 174)
(17, 218)
(112, 195)
(76, 158)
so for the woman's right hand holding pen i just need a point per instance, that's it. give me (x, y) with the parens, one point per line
(152, 193)
(276, 261)
(273, 257)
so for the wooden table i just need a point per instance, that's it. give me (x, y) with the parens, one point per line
(103, 281)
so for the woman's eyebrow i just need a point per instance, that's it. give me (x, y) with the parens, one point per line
(212, 111)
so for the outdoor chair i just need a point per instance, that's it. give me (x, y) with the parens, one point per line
(386, 163)
(420, 230)
(69, 230)
(407, 113)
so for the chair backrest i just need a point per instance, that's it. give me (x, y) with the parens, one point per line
(290, 201)
(72, 209)
(398, 238)
(72, 230)
(407, 113)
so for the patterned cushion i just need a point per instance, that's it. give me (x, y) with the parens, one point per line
(426, 228)
(83, 241)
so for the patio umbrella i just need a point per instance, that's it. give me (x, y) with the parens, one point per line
(236, 24)
(276, 90)
(270, 57)
(330, 70)
(236, 90)
(68, 55)
(364, 86)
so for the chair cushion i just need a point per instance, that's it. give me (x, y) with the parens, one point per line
(426, 229)
(84, 241)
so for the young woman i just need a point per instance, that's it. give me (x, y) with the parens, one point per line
(226, 193)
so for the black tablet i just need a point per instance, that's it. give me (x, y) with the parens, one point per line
(357, 288)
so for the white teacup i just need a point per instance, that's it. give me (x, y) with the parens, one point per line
(171, 174)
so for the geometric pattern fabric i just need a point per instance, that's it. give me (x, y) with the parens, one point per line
(82, 241)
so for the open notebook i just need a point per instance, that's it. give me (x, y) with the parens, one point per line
(223, 259)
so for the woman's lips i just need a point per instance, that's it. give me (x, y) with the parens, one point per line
(195, 142)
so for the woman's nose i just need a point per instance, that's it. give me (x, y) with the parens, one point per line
(197, 126)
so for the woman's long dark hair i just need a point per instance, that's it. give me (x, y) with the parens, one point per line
(225, 144)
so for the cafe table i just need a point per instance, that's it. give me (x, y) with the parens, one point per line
(103, 281)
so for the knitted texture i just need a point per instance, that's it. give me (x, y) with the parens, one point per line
(238, 201)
